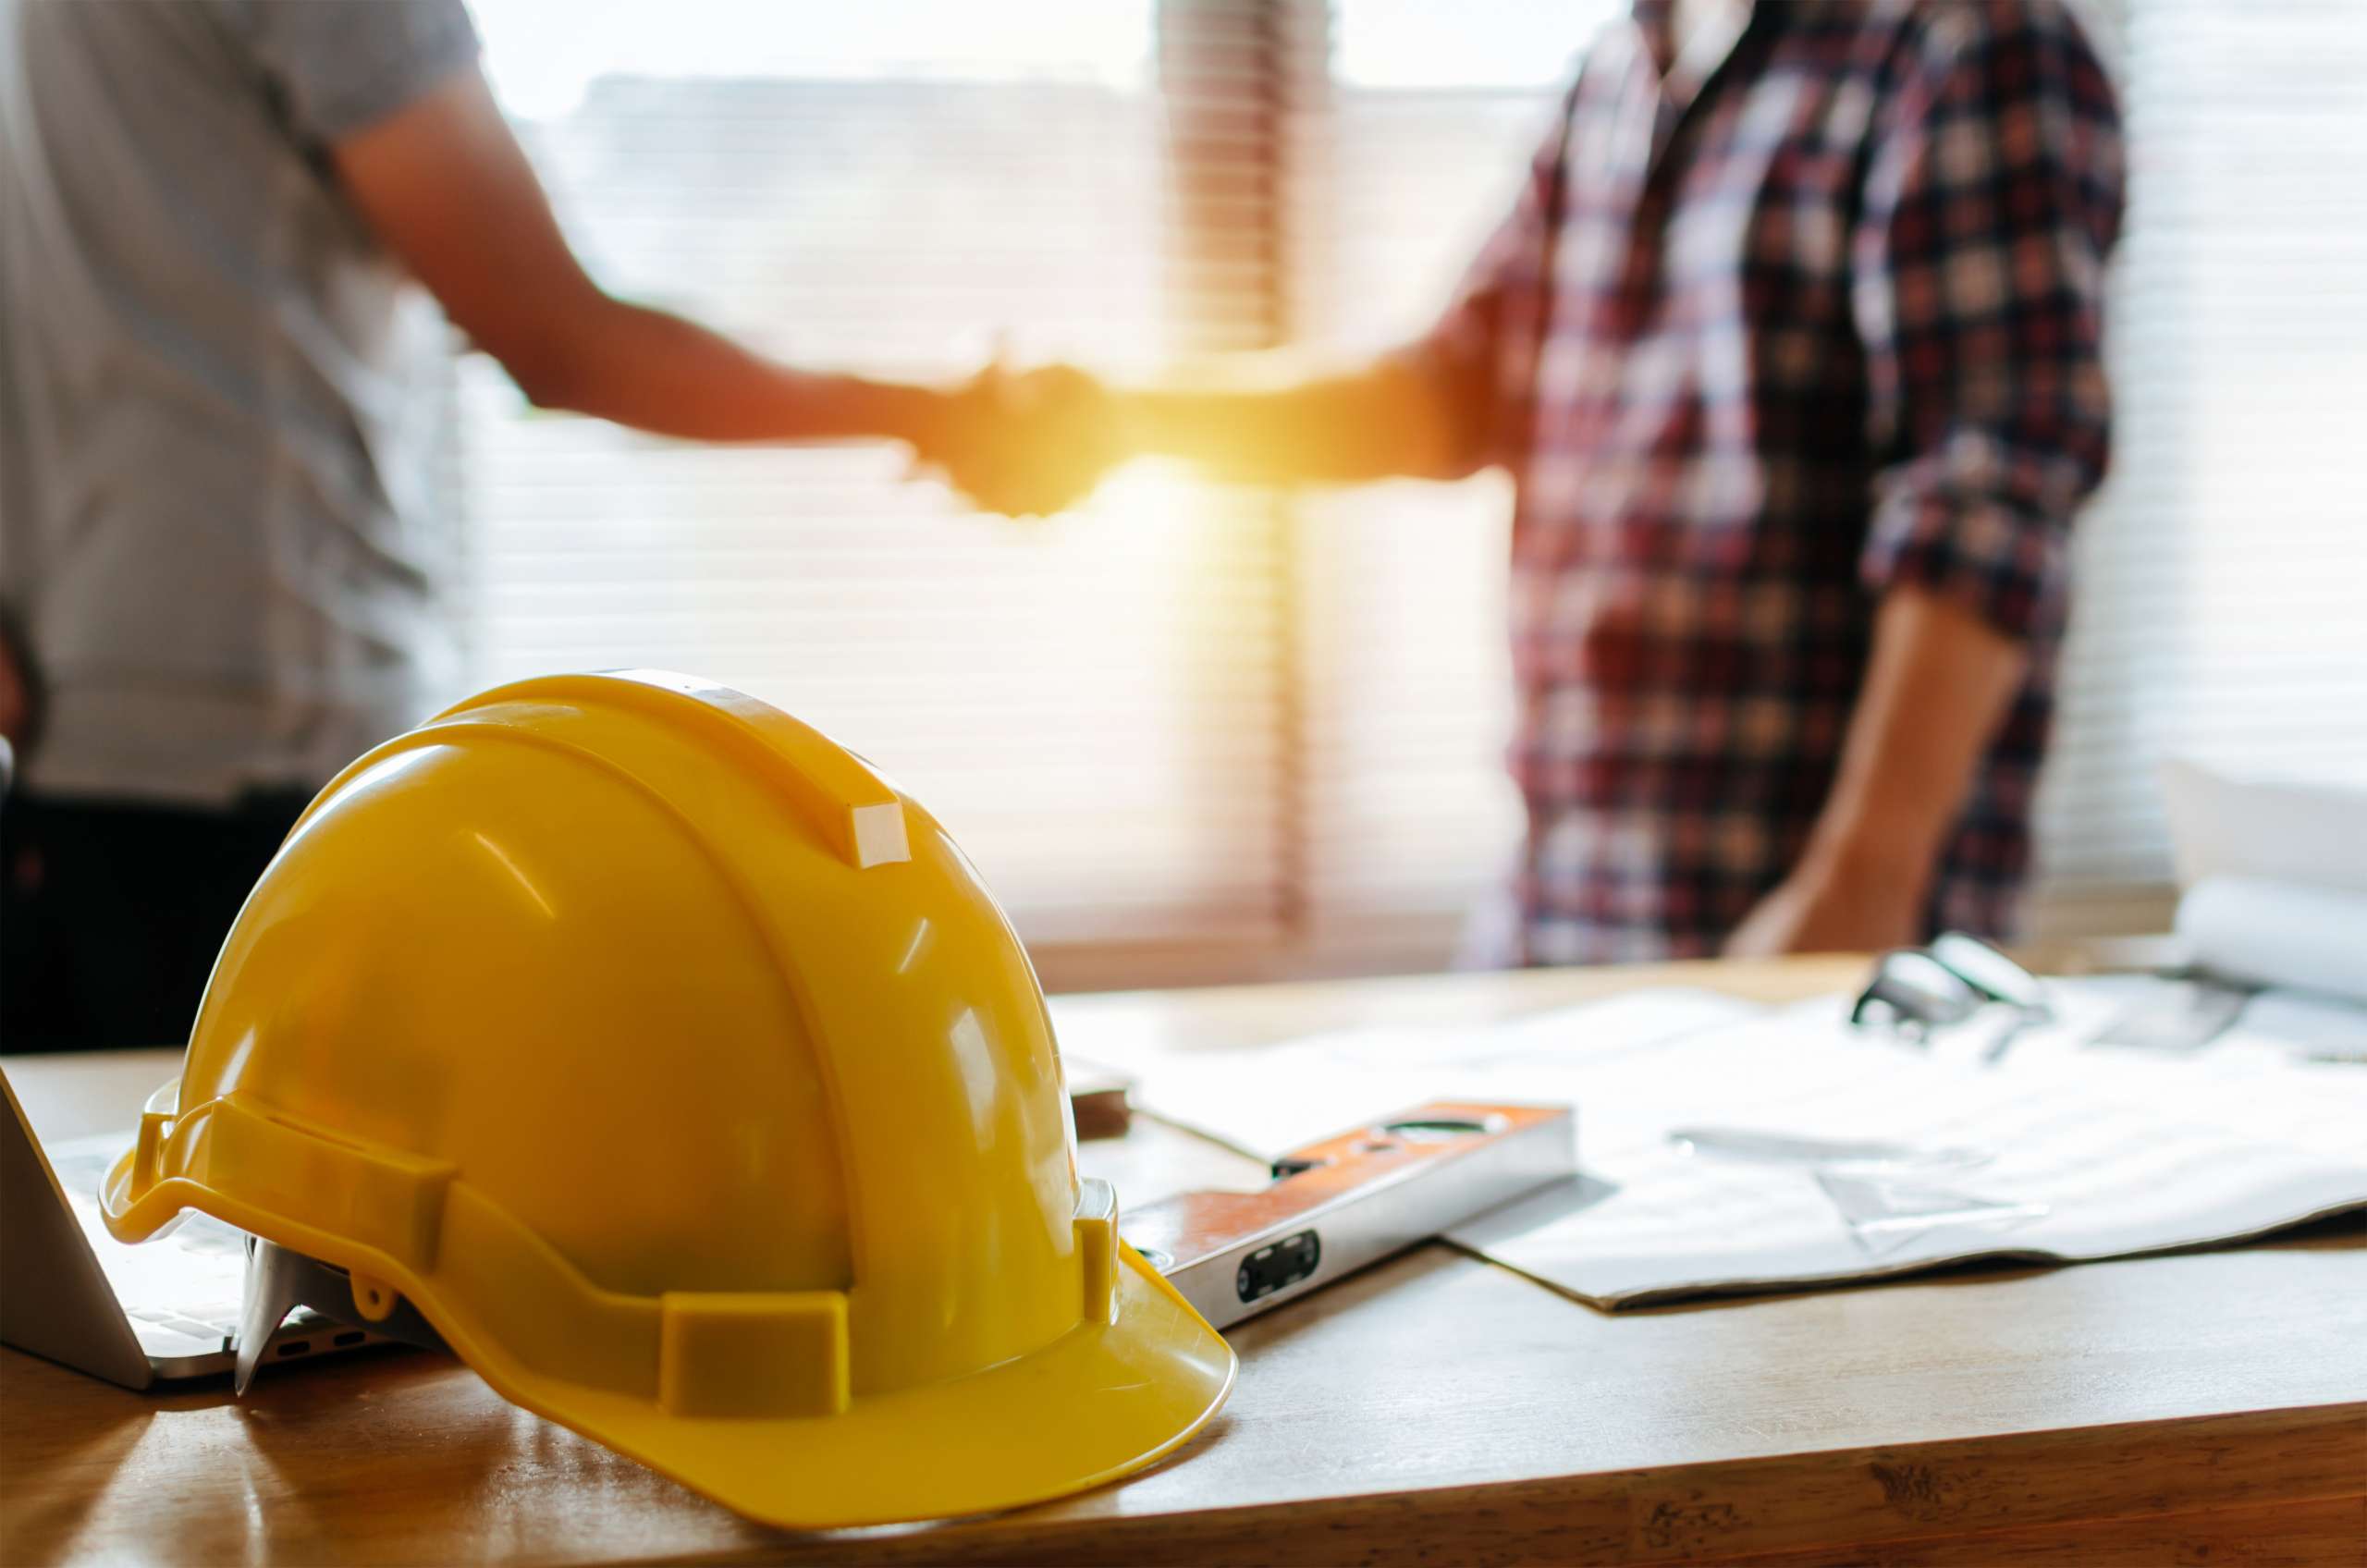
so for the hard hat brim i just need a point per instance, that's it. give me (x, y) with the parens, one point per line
(1101, 1402)
(1104, 1401)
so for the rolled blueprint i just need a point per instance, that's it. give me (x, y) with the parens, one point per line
(2278, 934)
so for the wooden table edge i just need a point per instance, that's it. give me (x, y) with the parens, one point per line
(1774, 1507)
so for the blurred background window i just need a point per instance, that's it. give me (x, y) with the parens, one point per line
(1198, 733)
(1087, 703)
(2221, 599)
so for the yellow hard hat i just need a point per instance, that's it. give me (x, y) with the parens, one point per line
(687, 1079)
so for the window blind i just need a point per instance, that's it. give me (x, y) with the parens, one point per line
(2222, 570)
(1089, 705)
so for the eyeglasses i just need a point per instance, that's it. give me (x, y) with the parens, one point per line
(1917, 990)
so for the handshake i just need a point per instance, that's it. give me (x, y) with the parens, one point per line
(1025, 443)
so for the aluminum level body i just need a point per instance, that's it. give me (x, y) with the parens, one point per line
(1349, 1201)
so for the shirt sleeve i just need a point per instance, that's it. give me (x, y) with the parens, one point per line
(1482, 349)
(1993, 199)
(342, 67)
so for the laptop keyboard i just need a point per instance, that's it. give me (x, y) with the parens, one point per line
(180, 1325)
(189, 1284)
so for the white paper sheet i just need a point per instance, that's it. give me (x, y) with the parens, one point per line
(1264, 1099)
(2248, 928)
(2091, 1152)
(2274, 878)
(2283, 830)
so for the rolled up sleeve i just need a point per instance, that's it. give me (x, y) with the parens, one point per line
(1993, 200)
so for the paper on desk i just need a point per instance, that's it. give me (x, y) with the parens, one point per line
(2283, 830)
(2319, 1029)
(1266, 1100)
(2094, 1154)
(2275, 878)
(2289, 934)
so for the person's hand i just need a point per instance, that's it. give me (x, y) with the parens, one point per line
(1836, 904)
(1025, 444)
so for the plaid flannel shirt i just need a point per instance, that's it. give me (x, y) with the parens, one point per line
(1757, 351)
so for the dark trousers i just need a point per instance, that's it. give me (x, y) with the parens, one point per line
(111, 913)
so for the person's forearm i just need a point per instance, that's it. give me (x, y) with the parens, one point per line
(1937, 686)
(1256, 423)
(444, 185)
(662, 374)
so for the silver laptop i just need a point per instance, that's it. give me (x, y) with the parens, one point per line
(138, 1316)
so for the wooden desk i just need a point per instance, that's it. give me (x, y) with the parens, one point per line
(2202, 1408)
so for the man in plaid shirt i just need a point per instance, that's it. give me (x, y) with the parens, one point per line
(1792, 343)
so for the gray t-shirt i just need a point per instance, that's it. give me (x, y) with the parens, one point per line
(221, 402)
